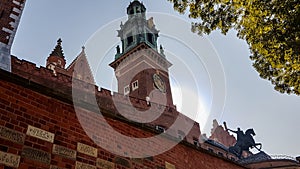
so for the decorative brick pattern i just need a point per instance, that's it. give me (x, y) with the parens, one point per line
(10, 13)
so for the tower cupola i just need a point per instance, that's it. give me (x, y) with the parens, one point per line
(136, 8)
(137, 29)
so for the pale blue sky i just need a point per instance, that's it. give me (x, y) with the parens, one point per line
(250, 100)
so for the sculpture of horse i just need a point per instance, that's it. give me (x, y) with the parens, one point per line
(246, 141)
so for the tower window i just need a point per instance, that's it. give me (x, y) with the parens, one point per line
(126, 90)
(138, 10)
(135, 85)
(129, 39)
(131, 11)
(150, 38)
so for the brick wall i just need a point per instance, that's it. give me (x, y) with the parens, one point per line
(221, 135)
(10, 11)
(39, 128)
(140, 63)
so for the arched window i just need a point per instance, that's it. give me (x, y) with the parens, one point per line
(131, 11)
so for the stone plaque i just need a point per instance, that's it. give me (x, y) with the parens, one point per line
(122, 161)
(36, 155)
(10, 160)
(12, 135)
(169, 166)
(64, 151)
(100, 163)
(40, 134)
(56, 167)
(80, 165)
(86, 149)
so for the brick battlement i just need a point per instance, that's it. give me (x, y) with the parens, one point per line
(10, 13)
(40, 127)
(61, 85)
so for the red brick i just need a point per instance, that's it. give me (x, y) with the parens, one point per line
(59, 117)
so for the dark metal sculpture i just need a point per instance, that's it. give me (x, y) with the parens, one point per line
(118, 49)
(244, 141)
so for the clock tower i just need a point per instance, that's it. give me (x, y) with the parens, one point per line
(140, 67)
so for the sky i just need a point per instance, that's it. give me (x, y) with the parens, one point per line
(228, 87)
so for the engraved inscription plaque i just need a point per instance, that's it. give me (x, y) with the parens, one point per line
(36, 155)
(12, 135)
(10, 160)
(100, 163)
(86, 149)
(169, 166)
(56, 167)
(80, 165)
(122, 161)
(64, 151)
(40, 134)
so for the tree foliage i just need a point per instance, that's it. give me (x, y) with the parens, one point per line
(270, 27)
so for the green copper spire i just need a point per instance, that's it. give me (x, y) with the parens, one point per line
(137, 29)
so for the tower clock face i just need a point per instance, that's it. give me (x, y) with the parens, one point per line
(159, 83)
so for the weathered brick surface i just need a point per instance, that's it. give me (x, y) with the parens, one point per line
(219, 134)
(140, 63)
(33, 96)
(9, 10)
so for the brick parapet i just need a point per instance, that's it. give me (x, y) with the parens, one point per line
(21, 106)
(63, 85)
(10, 13)
(27, 100)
